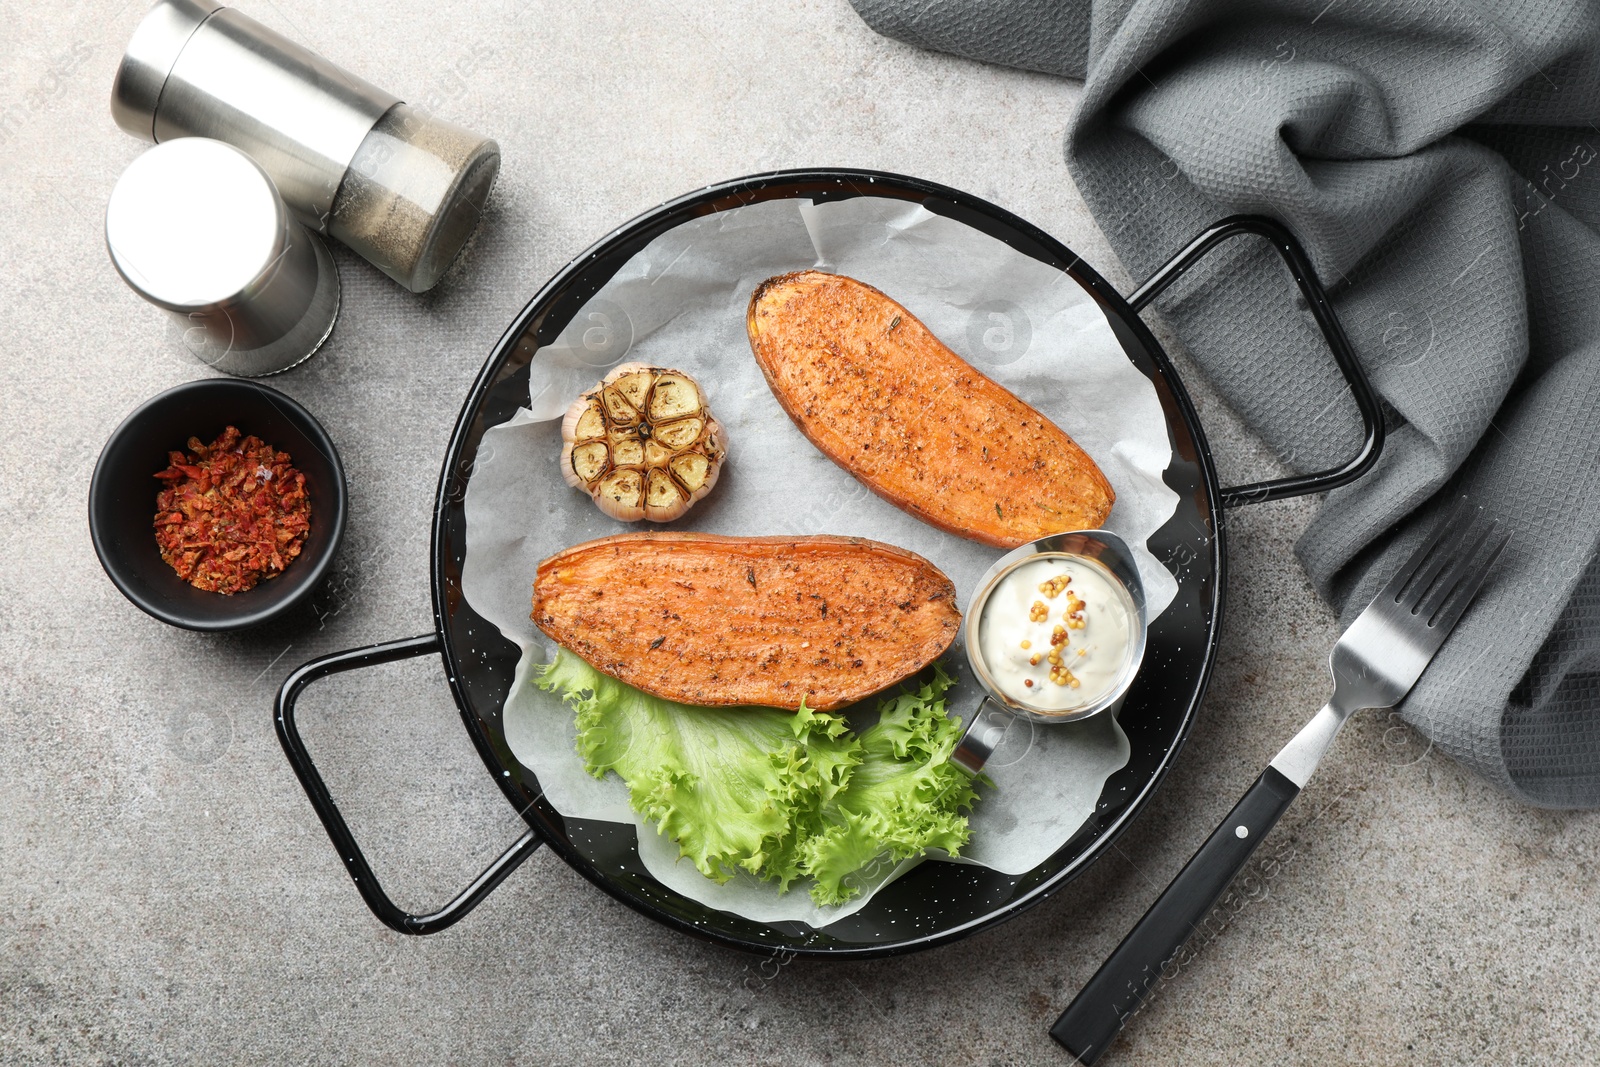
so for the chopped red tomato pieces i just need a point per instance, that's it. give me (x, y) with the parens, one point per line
(233, 512)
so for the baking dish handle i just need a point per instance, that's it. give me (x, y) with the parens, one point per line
(391, 914)
(1305, 276)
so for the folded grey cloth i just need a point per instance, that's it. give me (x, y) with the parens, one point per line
(1440, 159)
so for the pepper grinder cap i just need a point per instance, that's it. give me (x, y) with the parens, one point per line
(150, 57)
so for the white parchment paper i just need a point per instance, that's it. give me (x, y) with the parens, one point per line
(681, 303)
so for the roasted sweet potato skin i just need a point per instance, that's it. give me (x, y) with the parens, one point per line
(767, 621)
(881, 396)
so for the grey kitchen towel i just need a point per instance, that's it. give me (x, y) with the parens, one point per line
(1440, 159)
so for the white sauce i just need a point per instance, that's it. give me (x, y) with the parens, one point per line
(1092, 612)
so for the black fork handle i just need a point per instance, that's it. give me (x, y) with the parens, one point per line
(1126, 979)
(367, 884)
(1305, 277)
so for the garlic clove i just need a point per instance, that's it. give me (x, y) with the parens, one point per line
(589, 460)
(663, 500)
(656, 454)
(632, 382)
(628, 452)
(617, 408)
(591, 426)
(584, 422)
(675, 396)
(682, 434)
(691, 470)
(620, 494)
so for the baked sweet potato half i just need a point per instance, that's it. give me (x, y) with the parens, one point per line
(881, 396)
(714, 620)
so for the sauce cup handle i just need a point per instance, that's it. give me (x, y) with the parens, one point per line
(983, 735)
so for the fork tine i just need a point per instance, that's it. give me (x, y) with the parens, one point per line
(1441, 541)
(1460, 564)
(1450, 613)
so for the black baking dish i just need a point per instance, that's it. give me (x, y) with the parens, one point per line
(935, 902)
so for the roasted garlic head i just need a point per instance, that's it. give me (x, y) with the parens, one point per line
(643, 444)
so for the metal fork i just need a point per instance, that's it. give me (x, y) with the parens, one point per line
(1375, 663)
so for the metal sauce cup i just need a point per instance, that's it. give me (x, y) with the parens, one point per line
(1113, 559)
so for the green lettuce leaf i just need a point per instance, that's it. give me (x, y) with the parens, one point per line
(782, 795)
(904, 798)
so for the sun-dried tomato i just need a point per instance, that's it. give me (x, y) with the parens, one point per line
(233, 512)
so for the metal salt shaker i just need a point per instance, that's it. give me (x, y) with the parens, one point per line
(197, 227)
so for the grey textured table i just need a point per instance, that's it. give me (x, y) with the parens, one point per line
(166, 894)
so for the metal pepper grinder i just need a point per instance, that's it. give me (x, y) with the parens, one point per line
(402, 189)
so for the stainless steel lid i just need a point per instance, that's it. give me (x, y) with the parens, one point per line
(150, 56)
(197, 228)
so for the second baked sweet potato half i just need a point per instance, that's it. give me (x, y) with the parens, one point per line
(881, 396)
(769, 621)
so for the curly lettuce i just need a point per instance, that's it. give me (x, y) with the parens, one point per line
(783, 795)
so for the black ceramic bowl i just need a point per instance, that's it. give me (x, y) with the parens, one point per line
(122, 500)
